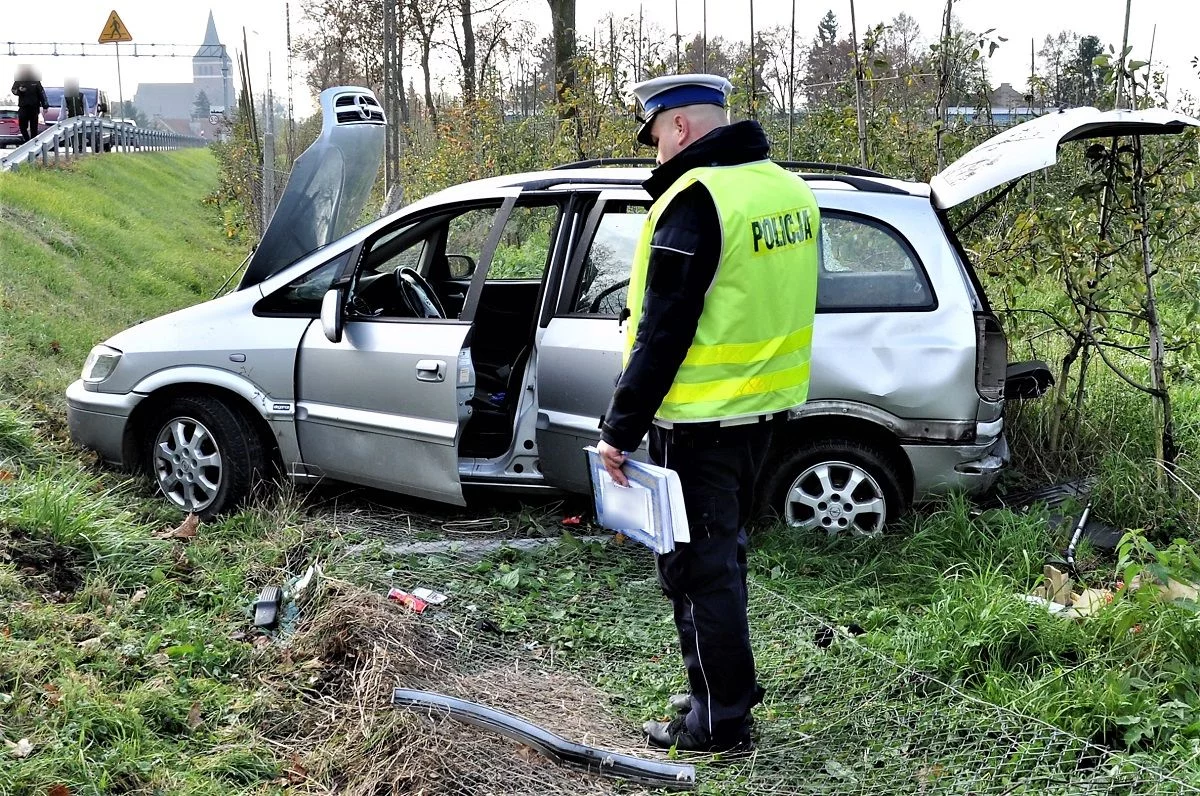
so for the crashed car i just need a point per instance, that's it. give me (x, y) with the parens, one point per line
(472, 340)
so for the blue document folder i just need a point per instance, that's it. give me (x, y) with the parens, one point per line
(650, 510)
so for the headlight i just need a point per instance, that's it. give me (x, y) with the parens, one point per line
(101, 362)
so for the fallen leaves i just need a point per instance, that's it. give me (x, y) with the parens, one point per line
(59, 790)
(138, 596)
(188, 529)
(21, 749)
(90, 645)
(194, 719)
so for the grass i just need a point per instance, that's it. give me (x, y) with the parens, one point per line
(128, 662)
(94, 247)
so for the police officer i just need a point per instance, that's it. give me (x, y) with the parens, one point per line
(27, 88)
(718, 336)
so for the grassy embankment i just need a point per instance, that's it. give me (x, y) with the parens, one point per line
(125, 657)
(117, 656)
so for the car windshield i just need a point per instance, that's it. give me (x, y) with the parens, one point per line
(7, 113)
(54, 96)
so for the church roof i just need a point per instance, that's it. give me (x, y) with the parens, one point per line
(212, 47)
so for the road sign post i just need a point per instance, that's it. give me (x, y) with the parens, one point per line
(114, 32)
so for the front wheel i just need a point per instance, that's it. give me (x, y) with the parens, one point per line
(839, 486)
(204, 456)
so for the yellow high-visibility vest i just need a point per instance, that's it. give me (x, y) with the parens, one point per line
(751, 352)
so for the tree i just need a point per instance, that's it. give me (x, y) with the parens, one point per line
(562, 18)
(201, 107)
(425, 16)
(827, 29)
(829, 67)
(130, 111)
(343, 45)
(479, 30)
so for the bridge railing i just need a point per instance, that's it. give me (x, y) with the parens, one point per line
(89, 134)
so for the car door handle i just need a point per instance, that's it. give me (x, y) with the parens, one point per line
(431, 370)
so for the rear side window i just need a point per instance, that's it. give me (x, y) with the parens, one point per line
(866, 265)
(604, 282)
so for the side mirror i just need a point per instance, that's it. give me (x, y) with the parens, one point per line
(333, 314)
(461, 265)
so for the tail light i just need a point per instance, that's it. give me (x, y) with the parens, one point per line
(991, 357)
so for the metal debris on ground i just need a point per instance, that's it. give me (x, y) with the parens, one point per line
(654, 773)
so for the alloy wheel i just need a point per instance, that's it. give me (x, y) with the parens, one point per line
(187, 464)
(837, 497)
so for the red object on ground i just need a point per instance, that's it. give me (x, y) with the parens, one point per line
(414, 604)
(575, 520)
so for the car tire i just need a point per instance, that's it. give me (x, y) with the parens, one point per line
(806, 487)
(203, 455)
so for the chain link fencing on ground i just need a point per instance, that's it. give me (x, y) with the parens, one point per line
(839, 718)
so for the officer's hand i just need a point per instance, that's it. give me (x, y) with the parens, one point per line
(613, 459)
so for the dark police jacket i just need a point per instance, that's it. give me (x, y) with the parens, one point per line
(30, 94)
(684, 255)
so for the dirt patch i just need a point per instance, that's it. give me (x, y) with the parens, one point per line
(337, 729)
(43, 565)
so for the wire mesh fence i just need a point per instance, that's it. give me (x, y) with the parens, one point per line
(593, 655)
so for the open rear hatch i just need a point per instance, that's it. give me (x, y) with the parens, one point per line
(1006, 158)
(1034, 144)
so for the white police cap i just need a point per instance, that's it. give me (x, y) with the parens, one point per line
(676, 91)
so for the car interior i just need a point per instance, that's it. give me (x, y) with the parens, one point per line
(411, 272)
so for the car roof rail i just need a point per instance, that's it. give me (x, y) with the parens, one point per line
(588, 164)
(807, 165)
(860, 183)
(842, 168)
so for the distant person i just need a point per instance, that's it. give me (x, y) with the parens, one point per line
(73, 103)
(27, 88)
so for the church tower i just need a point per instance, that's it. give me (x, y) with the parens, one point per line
(212, 70)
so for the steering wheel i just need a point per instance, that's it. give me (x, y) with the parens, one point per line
(594, 307)
(424, 301)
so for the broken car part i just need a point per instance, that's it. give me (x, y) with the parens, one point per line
(653, 773)
(266, 607)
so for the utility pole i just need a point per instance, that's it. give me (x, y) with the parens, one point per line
(704, 48)
(291, 145)
(943, 84)
(637, 70)
(792, 83)
(676, 36)
(753, 71)
(858, 92)
(268, 198)
(1121, 55)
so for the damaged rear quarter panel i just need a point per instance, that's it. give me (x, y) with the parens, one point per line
(914, 364)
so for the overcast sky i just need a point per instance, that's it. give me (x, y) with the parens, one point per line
(153, 21)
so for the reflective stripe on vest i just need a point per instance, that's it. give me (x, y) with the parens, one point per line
(751, 351)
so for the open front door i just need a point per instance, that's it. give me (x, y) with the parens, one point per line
(381, 408)
(386, 404)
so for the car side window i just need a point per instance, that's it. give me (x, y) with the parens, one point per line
(866, 265)
(302, 296)
(524, 246)
(604, 278)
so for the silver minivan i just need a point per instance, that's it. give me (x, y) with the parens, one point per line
(471, 340)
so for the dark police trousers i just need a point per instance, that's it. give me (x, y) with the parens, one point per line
(27, 120)
(705, 579)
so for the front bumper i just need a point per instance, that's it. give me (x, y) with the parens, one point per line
(941, 469)
(97, 420)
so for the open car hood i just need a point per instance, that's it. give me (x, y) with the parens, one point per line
(329, 184)
(1034, 144)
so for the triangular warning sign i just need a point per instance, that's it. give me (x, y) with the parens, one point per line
(114, 30)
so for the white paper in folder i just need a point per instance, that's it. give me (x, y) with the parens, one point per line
(650, 510)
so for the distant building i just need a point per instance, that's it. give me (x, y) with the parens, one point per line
(1007, 106)
(212, 74)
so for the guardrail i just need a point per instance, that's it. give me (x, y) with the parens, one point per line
(84, 134)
